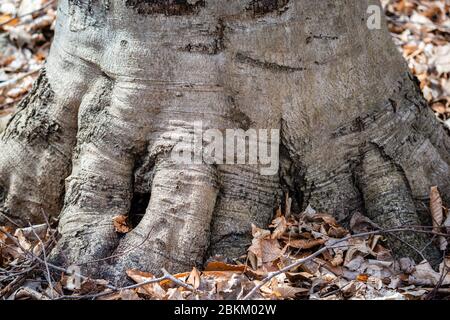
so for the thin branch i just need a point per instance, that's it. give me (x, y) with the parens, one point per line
(13, 81)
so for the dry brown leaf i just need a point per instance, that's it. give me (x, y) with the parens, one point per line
(338, 258)
(360, 223)
(298, 276)
(337, 232)
(110, 297)
(437, 212)
(6, 20)
(129, 295)
(33, 233)
(194, 278)
(3, 237)
(259, 233)
(255, 274)
(253, 260)
(121, 224)
(23, 241)
(91, 286)
(153, 289)
(439, 107)
(425, 275)
(175, 294)
(284, 291)
(336, 270)
(139, 276)
(222, 266)
(362, 277)
(280, 226)
(357, 246)
(305, 244)
(266, 250)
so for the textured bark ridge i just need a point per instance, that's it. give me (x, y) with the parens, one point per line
(261, 7)
(90, 142)
(168, 7)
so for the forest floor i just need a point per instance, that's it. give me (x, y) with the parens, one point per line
(303, 255)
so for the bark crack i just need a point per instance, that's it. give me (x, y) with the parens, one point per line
(321, 37)
(213, 47)
(166, 7)
(263, 7)
(272, 66)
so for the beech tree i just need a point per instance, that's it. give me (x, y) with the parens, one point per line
(90, 143)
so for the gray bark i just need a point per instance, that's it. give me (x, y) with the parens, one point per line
(356, 134)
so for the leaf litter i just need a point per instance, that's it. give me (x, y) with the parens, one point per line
(421, 31)
(355, 268)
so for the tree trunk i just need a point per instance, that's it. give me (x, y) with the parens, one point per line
(90, 142)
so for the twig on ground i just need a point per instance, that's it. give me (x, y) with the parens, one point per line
(13, 81)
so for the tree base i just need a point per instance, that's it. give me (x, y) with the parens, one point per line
(89, 143)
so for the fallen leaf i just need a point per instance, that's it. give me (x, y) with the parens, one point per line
(424, 275)
(266, 250)
(153, 289)
(338, 258)
(129, 295)
(194, 278)
(437, 212)
(121, 224)
(284, 291)
(6, 20)
(280, 226)
(305, 244)
(362, 277)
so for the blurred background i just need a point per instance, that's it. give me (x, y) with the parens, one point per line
(420, 29)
